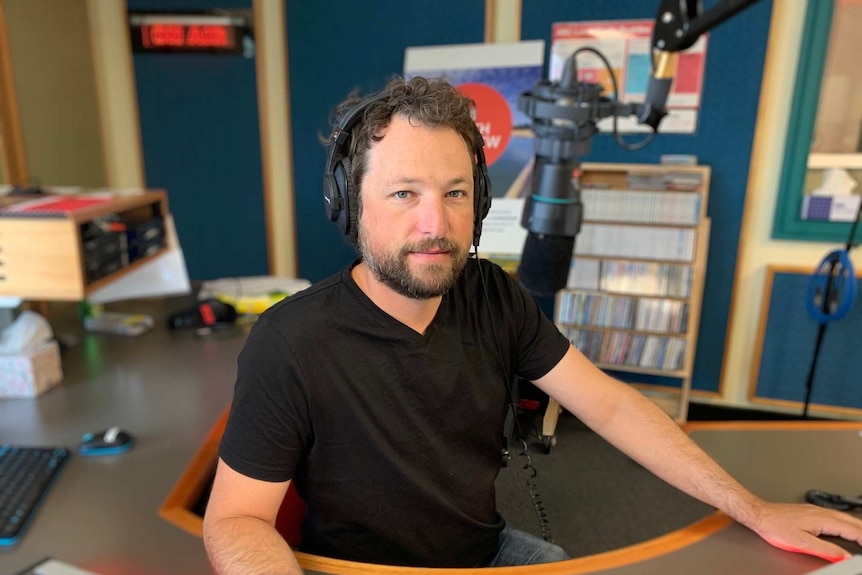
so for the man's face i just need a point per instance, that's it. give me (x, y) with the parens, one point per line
(417, 209)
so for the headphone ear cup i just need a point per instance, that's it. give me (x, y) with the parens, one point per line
(342, 202)
(482, 194)
(340, 183)
(330, 197)
(351, 202)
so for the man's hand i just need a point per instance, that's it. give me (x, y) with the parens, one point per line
(796, 527)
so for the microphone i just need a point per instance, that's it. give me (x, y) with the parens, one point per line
(552, 216)
(563, 116)
(564, 121)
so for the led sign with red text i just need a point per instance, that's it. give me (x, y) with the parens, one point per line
(187, 33)
(155, 36)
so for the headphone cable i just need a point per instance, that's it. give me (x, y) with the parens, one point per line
(538, 506)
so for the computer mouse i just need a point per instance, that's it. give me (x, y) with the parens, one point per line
(108, 442)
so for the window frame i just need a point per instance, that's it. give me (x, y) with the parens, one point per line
(788, 223)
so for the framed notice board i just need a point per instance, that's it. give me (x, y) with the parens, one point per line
(786, 341)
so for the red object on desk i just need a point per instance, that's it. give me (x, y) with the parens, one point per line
(55, 206)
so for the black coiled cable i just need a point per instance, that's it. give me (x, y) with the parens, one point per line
(832, 501)
(541, 515)
(538, 505)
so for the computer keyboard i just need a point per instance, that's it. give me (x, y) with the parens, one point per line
(26, 473)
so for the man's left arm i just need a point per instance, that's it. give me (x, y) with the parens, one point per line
(641, 430)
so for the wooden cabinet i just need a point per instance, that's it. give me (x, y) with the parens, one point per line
(46, 256)
(633, 298)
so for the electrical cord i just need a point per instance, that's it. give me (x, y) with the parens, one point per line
(830, 296)
(532, 488)
(538, 504)
(832, 501)
(622, 143)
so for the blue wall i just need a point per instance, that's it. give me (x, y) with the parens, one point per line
(201, 142)
(201, 138)
(334, 47)
(734, 68)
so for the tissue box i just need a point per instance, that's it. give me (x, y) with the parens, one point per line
(32, 372)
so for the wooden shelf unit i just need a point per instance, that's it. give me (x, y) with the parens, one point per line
(42, 257)
(608, 305)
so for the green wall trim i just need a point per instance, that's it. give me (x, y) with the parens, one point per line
(788, 224)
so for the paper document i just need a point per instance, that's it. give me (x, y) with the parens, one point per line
(502, 233)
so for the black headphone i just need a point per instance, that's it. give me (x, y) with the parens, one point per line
(340, 198)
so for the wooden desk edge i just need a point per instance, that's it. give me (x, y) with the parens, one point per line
(637, 553)
(175, 510)
(590, 564)
(177, 506)
(770, 425)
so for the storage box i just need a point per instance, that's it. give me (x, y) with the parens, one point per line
(31, 373)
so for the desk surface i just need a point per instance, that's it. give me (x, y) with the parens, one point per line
(169, 389)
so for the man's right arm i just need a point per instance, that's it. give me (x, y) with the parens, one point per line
(239, 526)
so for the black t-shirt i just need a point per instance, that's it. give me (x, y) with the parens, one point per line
(392, 438)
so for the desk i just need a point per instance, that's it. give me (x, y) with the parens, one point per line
(169, 389)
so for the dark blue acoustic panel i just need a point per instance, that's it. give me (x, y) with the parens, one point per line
(201, 142)
(788, 350)
(335, 47)
(734, 68)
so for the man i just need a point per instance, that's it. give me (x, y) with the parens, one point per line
(381, 391)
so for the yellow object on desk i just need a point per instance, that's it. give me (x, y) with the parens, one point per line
(252, 295)
(252, 304)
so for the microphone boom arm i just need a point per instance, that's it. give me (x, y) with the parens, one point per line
(679, 23)
(564, 116)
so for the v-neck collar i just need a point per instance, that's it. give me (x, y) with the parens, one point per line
(400, 328)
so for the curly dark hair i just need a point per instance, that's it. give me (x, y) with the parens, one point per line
(429, 102)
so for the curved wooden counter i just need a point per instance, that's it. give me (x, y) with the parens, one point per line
(176, 510)
(167, 389)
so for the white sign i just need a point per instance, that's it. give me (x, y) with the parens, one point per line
(502, 233)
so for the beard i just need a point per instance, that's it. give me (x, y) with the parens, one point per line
(391, 267)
